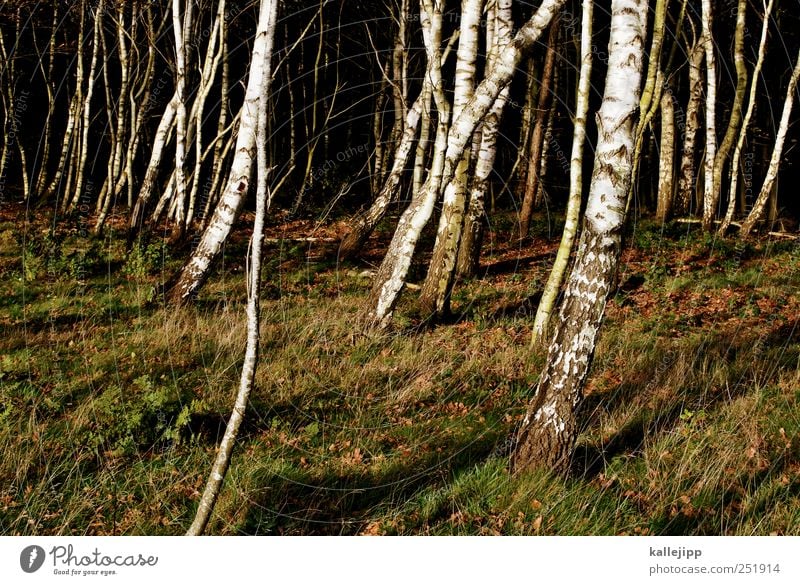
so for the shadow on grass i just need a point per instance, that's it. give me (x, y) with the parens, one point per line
(737, 356)
(294, 501)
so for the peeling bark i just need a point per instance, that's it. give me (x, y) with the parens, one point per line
(751, 103)
(196, 270)
(767, 189)
(546, 306)
(550, 428)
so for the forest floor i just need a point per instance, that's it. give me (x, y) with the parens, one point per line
(111, 405)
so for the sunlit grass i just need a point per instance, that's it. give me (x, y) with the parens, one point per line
(111, 406)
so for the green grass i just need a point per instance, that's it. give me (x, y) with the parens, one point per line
(111, 407)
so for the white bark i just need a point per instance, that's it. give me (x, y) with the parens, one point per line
(472, 236)
(666, 157)
(686, 183)
(553, 285)
(710, 198)
(391, 276)
(767, 189)
(250, 364)
(550, 427)
(209, 72)
(392, 272)
(736, 111)
(87, 105)
(178, 18)
(751, 103)
(196, 270)
(436, 289)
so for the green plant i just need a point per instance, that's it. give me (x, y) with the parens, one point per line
(146, 259)
(142, 417)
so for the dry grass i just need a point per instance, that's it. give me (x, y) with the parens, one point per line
(110, 409)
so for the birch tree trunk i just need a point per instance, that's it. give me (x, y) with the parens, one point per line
(537, 137)
(541, 322)
(391, 276)
(469, 249)
(87, 108)
(435, 294)
(195, 272)
(666, 157)
(115, 173)
(550, 428)
(423, 143)
(209, 72)
(736, 112)
(651, 93)
(178, 18)
(686, 182)
(710, 193)
(365, 223)
(41, 179)
(757, 213)
(751, 102)
(214, 484)
(67, 144)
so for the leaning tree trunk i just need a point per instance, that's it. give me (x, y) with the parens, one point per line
(757, 213)
(544, 311)
(436, 288)
(537, 137)
(391, 276)
(87, 108)
(222, 462)
(549, 430)
(195, 272)
(651, 93)
(365, 223)
(751, 102)
(392, 271)
(469, 250)
(736, 110)
(710, 194)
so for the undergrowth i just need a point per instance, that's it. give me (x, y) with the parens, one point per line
(111, 406)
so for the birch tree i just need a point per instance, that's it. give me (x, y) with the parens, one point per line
(552, 287)
(266, 28)
(711, 195)
(666, 158)
(436, 288)
(469, 249)
(751, 103)
(87, 109)
(195, 272)
(392, 273)
(736, 112)
(390, 277)
(181, 20)
(536, 144)
(757, 213)
(686, 181)
(418, 118)
(548, 432)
